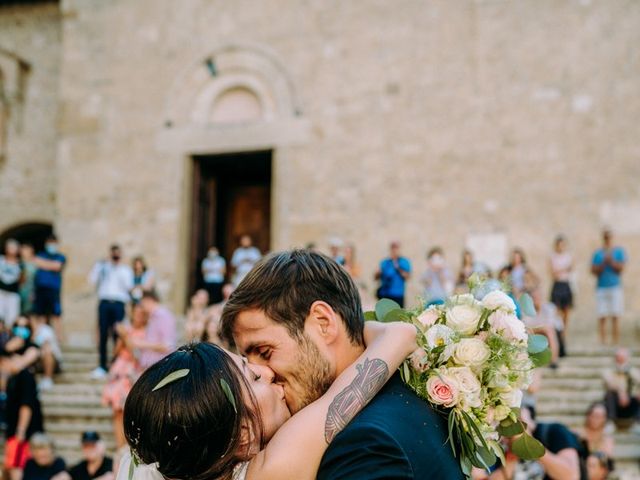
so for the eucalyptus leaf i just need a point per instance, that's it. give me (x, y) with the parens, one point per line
(526, 447)
(396, 315)
(172, 377)
(537, 344)
(368, 316)
(509, 428)
(526, 305)
(383, 307)
(541, 359)
(228, 393)
(486, 457)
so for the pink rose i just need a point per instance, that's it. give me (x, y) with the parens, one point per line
(428, 317)
(443, 391)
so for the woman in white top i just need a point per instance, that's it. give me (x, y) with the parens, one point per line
(561, 266)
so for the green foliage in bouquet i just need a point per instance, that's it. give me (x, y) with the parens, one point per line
(473, 362)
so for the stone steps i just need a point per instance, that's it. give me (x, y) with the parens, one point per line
(74, 404)
(567, 392)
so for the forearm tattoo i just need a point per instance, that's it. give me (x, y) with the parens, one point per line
(371, 376)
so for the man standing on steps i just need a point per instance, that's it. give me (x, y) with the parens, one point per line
(113, 280)
(607, 265)
(393, 273)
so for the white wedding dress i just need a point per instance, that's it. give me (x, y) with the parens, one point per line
(150, 472)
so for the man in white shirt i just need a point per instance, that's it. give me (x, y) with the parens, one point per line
(244, 258)
(114, 281)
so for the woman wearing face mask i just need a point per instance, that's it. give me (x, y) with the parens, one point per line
(437, 279)
(19, 393)
(214, 269)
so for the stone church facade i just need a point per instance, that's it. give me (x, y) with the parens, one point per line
(167, 126)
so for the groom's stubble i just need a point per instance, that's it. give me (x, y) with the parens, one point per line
(313, 375)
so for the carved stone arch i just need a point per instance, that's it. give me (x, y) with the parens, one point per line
(241, 65)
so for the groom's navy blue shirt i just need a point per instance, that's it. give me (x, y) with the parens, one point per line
(396, 436)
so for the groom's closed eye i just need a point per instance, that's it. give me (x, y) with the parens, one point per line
(264, 352)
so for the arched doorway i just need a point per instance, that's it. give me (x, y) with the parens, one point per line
(231, 115)
(34, 233)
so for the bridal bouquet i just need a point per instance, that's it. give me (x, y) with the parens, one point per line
(474, 359)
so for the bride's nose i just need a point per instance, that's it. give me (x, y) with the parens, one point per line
(266, 373)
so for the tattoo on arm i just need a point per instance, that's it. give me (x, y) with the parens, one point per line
(371, 376)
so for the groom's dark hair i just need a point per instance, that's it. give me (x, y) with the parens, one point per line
(284, 285)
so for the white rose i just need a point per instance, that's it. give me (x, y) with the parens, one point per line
(439, 335)
(467, 380)
(429, 317)
(471, 352)
(463, 319)
(508, 325)
(498, 300)
(512, 398)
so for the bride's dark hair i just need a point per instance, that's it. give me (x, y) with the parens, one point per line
(190, 426)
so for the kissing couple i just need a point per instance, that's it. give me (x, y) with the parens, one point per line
(313, 393)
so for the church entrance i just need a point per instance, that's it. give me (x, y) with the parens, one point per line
(231, 198)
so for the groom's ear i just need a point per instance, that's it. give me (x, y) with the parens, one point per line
(323, 322)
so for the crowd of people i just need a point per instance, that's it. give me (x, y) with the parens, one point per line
(142, 331)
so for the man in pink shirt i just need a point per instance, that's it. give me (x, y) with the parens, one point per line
(160, 338)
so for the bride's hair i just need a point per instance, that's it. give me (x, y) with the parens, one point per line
(190, 426)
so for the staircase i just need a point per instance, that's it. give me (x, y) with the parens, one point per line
(567, 392)
(73, 405)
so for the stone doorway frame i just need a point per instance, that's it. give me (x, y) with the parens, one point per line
(185, 133)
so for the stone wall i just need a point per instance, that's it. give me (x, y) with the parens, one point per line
(428, 122)
(29, 65)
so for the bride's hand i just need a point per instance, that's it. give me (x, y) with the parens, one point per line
(406, 331)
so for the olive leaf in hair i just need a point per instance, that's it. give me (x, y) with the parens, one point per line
(229, 394)
(172, 377)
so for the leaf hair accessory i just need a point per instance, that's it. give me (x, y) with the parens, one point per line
(228, 393)
(172, 377)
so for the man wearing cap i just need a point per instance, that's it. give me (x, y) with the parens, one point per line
(393, 273)
(95, 466)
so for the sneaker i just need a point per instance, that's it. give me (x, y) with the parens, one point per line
(45, 384)
(98, 373)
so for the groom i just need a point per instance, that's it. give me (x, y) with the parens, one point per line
(299, 313)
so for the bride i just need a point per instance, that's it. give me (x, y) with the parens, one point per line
(205, 413)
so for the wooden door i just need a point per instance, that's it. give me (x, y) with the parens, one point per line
(249, 212)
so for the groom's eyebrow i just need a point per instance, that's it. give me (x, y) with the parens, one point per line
(250, 348)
